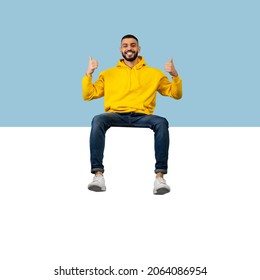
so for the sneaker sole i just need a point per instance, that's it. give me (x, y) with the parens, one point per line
(96, 188)
(162, 191)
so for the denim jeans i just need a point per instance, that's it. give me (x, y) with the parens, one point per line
(101, 123)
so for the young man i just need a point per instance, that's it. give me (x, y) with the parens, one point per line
(129, 92)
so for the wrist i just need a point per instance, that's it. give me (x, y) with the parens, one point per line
(174, 74)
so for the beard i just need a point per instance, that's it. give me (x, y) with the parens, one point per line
(130, 58)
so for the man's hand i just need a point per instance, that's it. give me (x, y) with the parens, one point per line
(169, 67)
(92, 66)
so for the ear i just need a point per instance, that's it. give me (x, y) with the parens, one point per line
(139, 48)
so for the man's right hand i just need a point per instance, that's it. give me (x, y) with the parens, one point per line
(92, 66)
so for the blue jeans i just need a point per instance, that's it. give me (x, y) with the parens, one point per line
(101, 123)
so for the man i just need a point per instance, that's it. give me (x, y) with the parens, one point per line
(129, 92)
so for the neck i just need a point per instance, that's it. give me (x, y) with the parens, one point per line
(131, 64)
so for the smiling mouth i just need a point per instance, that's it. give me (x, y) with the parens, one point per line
(129, 53)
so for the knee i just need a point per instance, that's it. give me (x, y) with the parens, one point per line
(165, 122)
(96, 120)
(100, 121)
(162, 123)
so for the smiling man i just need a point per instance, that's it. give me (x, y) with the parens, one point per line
(129, 92)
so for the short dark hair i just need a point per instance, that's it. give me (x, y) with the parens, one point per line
(129, 36)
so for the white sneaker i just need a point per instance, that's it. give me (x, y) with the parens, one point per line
(98, 184)
(160, 186)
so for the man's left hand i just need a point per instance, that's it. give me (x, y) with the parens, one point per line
(169, 67)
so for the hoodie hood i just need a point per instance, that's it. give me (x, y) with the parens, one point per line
(139, 65)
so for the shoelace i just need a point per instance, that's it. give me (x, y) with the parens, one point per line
(97, 178)
(161, 180)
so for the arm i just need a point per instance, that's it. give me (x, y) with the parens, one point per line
(89, 90)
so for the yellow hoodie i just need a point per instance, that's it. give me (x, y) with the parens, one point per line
(128, 89)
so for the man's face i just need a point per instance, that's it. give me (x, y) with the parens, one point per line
(129, 49)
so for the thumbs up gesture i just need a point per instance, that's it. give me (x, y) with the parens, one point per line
(92, 66)
(169, 67)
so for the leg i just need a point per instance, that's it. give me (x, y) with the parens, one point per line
(100, 124)
(160, 126)
(161, 145)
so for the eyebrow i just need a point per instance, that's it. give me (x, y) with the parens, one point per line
(132, 44)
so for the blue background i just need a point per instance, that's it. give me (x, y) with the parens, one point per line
(45, 47)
